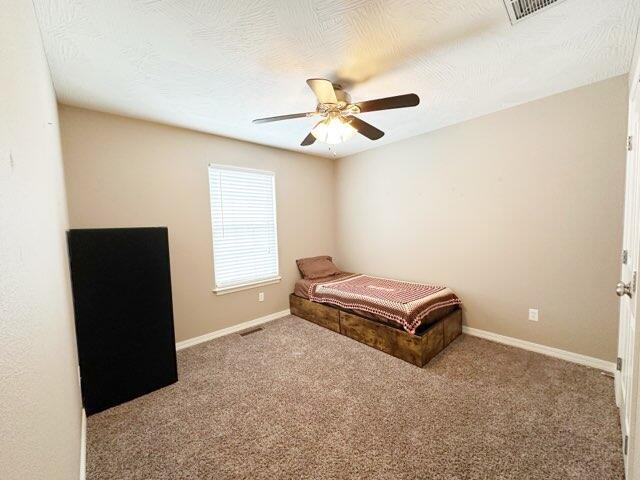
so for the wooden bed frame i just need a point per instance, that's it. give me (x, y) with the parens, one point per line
(416, 349)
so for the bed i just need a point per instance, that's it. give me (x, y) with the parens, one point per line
(408, 320)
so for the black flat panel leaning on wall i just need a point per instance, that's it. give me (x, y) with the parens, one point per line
(123, 311)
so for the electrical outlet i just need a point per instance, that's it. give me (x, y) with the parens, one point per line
(533, 314)
(261, 297)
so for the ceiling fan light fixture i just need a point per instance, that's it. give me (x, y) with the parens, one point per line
(333, 130)
(340, 122)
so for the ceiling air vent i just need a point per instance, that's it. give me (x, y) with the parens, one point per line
(518, 10)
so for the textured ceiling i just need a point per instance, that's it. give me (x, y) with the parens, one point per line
(215, 65)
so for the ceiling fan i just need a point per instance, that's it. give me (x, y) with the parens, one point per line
(339, 122)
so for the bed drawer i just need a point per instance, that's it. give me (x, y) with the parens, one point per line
(379, 336)
(323, 315)
(452, 326)
(416, 349)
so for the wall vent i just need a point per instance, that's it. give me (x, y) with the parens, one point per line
(518, 10)
(250, 331)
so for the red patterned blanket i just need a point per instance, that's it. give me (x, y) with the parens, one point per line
(406, 303)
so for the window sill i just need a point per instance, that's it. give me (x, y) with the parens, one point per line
(246, 286)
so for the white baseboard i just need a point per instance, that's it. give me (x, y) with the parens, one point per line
(514, 342)
(550, 351)
(226, 331)
(83, 446)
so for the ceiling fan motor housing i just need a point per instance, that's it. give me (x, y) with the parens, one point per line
(341, 94)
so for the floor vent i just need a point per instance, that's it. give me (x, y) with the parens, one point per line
(249, 332)
(518, 10)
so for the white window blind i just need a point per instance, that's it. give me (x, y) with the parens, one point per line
(243, 218)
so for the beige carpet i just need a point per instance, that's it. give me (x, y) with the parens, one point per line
(296, 401)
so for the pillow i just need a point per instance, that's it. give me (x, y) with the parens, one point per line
(317, 267)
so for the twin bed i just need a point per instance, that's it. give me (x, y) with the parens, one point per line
(411, 321)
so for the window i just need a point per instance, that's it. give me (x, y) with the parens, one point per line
(243, 219)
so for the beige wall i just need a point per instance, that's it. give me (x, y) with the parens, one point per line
(518, 209)
(125, 172)
(635, 62)
(40, 406)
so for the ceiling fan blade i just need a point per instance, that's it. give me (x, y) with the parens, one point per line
(308, 140)
(364, 128)
(388, 103)
(323, 90)
(281, 117)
